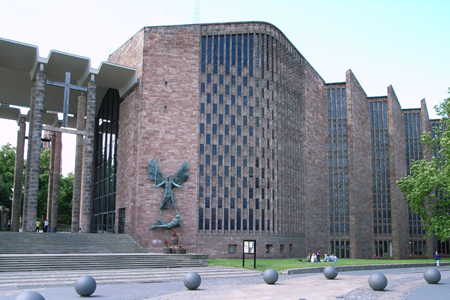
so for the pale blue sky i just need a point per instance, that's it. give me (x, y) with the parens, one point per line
(398, 42)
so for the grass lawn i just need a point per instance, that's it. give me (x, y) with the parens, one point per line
(283, 264)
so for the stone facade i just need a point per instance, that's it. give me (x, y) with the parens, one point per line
(264, 136)
(398, 170)
(160, 120)
(360, 195)
(34, 140)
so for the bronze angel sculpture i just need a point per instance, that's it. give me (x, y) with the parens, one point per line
(155, 174)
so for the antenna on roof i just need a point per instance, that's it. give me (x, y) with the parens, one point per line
(197, 12)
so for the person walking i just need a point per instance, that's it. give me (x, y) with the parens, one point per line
(437, 257)
(38, 224)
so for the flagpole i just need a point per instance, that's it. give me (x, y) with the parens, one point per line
(154, 189)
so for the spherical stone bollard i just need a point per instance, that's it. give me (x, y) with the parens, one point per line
(270, 276)
(30, 296)
(85, 286)
(432, 275)
(378, 281)
(330, 272)
(192, 280)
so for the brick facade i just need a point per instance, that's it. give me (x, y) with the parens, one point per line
(256, 124)
(160, 119)
(398, 170)
(360, 196)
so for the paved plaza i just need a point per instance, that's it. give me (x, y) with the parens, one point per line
(226, 283)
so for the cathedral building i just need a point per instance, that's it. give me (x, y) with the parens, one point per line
(275, 153)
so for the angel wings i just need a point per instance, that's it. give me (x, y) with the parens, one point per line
(155, 174)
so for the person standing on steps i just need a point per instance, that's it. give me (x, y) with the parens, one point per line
(45, 225)
(38, 224)
(437, 257)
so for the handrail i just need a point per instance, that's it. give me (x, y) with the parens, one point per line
(136, 236)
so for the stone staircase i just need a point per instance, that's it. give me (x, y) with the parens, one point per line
(66, 251)
(64, 243)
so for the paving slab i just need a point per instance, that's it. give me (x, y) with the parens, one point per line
(404, 283)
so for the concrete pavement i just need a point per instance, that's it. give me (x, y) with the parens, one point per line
(229, 283)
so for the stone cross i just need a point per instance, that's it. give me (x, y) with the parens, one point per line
(67, 87)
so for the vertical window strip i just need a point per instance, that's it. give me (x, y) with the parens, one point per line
(203, 54)
(216, 48)
(209, 58)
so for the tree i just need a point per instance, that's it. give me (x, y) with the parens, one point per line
(7, 161)
(427, 188)
(65, 191)
(65, 198)
(5, 195)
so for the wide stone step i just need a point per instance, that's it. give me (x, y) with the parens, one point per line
(49, 243)
(119, 276)
(41, 262)
(23, 252)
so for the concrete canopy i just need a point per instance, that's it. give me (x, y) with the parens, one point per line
(19, 63)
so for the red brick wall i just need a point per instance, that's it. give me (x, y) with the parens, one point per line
(359, 169)
(397, 159)
(315, 154)
(130, 53)
(160, 120)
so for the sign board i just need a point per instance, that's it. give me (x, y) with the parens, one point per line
(249, 247)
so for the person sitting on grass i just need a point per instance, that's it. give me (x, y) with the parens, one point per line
(327, 258)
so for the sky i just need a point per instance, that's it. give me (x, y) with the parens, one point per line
(403, 43)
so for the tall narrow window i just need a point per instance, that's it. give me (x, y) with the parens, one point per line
(106, 139)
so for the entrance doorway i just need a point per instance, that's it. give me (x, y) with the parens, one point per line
(121, 225)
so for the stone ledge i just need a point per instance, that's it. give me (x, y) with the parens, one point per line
(358, 268)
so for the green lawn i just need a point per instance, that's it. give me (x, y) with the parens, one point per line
(283, 264)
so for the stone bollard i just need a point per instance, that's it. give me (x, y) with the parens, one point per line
(192, 280)
(30, 296)
(270, 276)
(330, 272)
(85, 286)
(378, 281)
(432, 275)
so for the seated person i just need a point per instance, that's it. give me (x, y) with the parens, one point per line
(327, 258)
(334, 258)
(308, 258)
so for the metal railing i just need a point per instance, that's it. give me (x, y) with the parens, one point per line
(141, 241)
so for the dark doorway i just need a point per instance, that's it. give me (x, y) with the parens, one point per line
(121, 225)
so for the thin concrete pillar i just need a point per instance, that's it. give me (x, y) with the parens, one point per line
(18, 176)
(56, 147)
(34, 159)
(81, 113)
(50, 178)
(86, 199)
(27, 174)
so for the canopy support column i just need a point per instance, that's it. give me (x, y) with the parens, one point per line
(88, 163)
(18, 176)
(34, 157)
